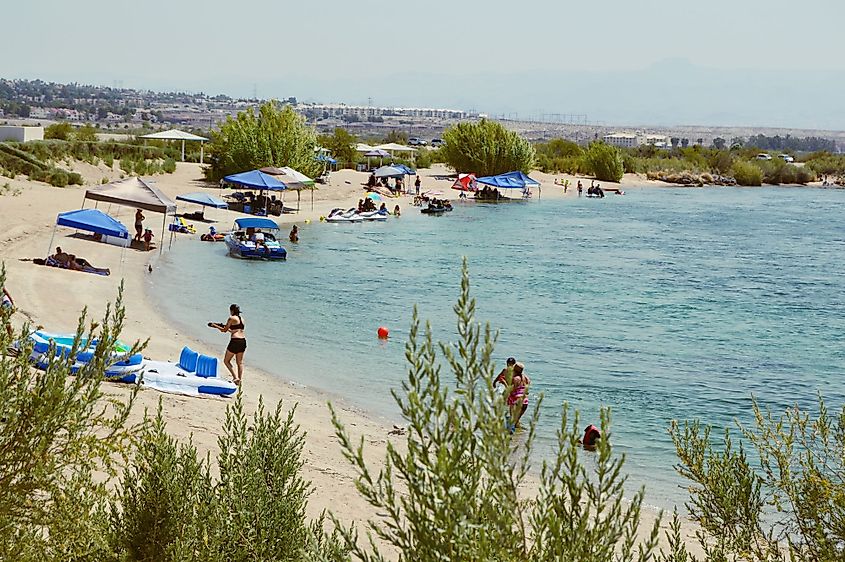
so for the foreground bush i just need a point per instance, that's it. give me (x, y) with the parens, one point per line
(172, 508)
(747, 173)
(455, 493)
(604, 162)
(790, 507)
(486, 148)
(55, 432)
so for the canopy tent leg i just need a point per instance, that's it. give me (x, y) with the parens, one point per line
(298, 197)
(312, 198)
(202, 149)
(183, 150)
(161, 240)
(52, 236)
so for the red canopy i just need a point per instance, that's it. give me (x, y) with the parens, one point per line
(465, 182)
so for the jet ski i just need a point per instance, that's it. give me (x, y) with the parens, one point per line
(339, 215)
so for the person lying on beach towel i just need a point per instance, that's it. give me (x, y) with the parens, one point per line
(69, 261)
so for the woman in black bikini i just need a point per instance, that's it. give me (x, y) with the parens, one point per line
(237, 344)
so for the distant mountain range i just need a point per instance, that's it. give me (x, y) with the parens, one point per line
(671, 92)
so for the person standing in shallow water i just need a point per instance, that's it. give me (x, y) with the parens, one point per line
(237, 342)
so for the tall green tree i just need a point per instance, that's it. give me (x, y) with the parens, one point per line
(604, 161)
(272, 136)
(341, 143)
(454, 494)
(486, 148)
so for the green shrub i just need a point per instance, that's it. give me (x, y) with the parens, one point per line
(789, 507)
(803, 175)
(61, 131)
(74, 178)
(604, 162)
(86, 133)
(169, 165)
(126, 164)
(747, 173)
(171, 507)
(108, 160)
(58, 178)
(56, 431)
(423, 159)
(486, 148)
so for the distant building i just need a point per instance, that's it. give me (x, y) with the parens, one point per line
(363, 111)
(626, 140)
(21, 134)
(658, 141)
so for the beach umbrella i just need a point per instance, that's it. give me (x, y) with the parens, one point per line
(375, 196)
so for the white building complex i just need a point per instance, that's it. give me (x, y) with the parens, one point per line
(364, 111)
(633, 140)
(626, 140)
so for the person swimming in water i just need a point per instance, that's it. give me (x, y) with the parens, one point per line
(591, 436)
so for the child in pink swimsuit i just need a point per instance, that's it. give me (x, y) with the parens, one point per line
(518, 397)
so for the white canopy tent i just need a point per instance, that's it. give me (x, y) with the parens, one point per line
(177, 135)
(363, 147)
(394, 148)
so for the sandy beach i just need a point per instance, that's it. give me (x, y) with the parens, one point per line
(54, 298)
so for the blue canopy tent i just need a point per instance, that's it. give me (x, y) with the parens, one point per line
(509, 180)
(257, 180)
(389, 172)
(407, 171)
(92, 220)
(204, 199)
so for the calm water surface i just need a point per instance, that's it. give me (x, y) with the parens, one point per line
(662, 304)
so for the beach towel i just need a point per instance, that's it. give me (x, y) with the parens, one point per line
(51, 262)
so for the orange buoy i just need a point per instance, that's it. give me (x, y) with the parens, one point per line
(383, 332)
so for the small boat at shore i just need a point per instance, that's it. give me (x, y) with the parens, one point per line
(339, 215)
(255, 238)
(436, 209)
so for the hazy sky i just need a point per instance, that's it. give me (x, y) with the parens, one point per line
(349, 50)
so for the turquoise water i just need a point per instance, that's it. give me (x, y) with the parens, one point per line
(662, 304)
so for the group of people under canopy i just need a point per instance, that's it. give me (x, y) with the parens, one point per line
(397, 187)
(259, 205)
